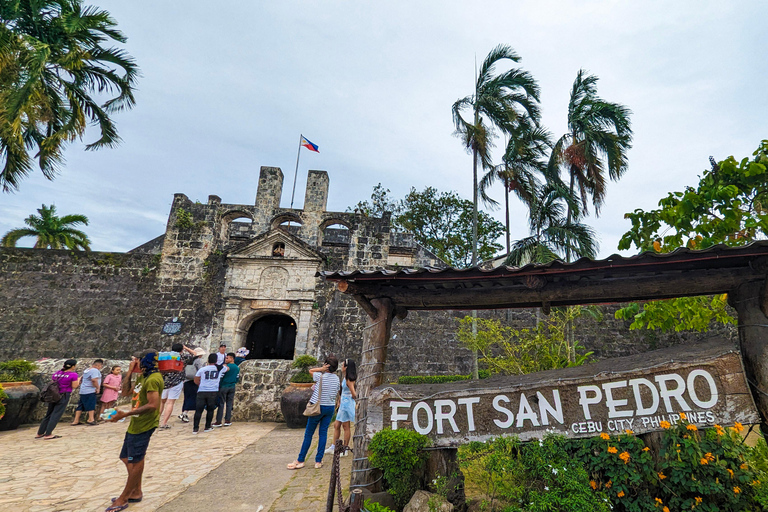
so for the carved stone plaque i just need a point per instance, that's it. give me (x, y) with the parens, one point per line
(270, 304)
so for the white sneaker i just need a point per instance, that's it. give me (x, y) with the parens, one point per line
(330, 449)
(208, 430)
(344, 453)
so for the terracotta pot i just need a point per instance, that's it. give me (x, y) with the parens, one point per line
(20, 404)
(294, 401)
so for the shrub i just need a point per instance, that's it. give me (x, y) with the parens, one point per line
(535, 476)
(16, 370)
(303, 363)
(400, 455)
(3, 396)
(372, 506)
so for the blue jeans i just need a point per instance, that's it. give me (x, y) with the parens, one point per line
(324, 419)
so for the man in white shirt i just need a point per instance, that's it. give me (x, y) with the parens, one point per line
(91, 383)
(221, 355)
(207, 379)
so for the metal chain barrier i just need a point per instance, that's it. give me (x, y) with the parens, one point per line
(335, 485)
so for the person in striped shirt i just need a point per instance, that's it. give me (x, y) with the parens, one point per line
(326, 394)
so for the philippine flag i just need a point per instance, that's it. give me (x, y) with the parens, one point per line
(312, 147)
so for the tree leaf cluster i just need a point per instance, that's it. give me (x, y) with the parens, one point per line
(51, 231)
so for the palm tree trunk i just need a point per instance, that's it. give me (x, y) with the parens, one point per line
(506, 208)
(475, 369)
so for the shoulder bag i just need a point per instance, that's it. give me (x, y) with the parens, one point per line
(314, 409)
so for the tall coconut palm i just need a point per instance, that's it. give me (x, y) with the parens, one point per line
(52, 231)
(552, 237)
(599, 136)
(524, 159)
(56, 77)
(497, 103)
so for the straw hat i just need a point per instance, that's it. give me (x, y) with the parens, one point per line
(199, 351)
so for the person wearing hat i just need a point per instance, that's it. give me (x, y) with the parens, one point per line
(190, 388)
(67, 379)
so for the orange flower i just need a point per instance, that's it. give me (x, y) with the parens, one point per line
(683, 416)
(665, 509)
(692, 427)
(698, 500)
(736, 490)
(730, 471)
(662, 476)
(593, 484)
(646, 449)
(709, 456)
(738, 427)
(608, 484)
(659, 502)
(624, 456)
(665, 424)
(604, 436)
(628, 431)
(620, 494)
(755, 482)
(704, 461)
(612, 449)
(744, 466)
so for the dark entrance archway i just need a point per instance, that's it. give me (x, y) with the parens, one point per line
(271, 337)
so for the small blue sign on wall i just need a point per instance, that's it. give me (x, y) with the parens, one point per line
(172, 327)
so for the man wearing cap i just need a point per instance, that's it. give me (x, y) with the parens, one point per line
(144, 420)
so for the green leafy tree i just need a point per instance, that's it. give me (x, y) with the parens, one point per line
(497, 103)
(729, 206)
(522, 163)
(552, 237)
(379, 203)
(443, 223)
(57, 75)
(598, 137)
(51, 231)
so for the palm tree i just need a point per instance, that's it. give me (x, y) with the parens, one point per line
(52, 62)
(498, 102)
(599, 136)
(552, 236)
(52, 232)
(523, 160)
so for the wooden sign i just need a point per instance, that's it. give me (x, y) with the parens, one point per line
(634, 393)
(270, 304)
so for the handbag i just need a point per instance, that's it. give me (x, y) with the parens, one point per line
(314, 409)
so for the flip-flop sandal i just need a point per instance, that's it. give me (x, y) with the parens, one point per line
(49, 438)
(130, 500)
(91, 423)
(116, 508)
(318, 465)
(295, 465)
(39, 437)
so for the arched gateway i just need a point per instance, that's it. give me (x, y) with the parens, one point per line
(271, 337)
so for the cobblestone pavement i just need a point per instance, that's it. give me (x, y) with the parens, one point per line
(80, 472)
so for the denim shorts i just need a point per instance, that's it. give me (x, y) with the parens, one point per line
(135, 446)
(87, 402)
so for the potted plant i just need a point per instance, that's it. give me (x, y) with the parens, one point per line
(21, 397)
(297, 394)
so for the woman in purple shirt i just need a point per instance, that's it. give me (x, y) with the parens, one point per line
(68, 380)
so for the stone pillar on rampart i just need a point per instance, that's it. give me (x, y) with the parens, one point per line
(268, 195)
(315, 203)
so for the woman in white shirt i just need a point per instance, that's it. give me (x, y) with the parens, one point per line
(327, 398)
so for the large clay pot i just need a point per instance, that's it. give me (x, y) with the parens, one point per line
(293, 402)
(20, 404)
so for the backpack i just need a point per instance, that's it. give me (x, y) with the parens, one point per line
(51, 394)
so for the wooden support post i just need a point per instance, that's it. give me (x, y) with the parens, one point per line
(749, 301)
(356, 501)
(370, 373)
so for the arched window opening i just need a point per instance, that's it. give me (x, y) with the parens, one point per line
(278, 250)
(240, 229)
(336, 234)
(291, 226)
(271, 337)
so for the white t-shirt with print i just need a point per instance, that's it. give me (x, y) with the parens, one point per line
(209, 377)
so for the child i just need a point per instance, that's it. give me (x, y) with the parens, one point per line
(111, 385)
(346, 405)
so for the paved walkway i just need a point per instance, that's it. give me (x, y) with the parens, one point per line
(241, 467)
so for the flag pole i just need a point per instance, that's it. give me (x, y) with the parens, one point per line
(296, 173)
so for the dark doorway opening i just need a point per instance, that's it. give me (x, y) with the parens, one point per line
(271, 337)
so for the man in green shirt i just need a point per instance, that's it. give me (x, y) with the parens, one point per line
(145, 418)
(227, 391)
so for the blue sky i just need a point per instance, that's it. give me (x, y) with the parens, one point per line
(229, 88)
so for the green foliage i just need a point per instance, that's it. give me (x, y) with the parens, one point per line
(59, 73)
(372, 506)
(51, 231)
(400, 455)
(535, 476)
(379, 204)
(729, 206)
(757, 460)
(438, 379)
(442, 222)
(3, 396)
(303, 363)
(184, 219)
(510, 351)
(16, 370)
